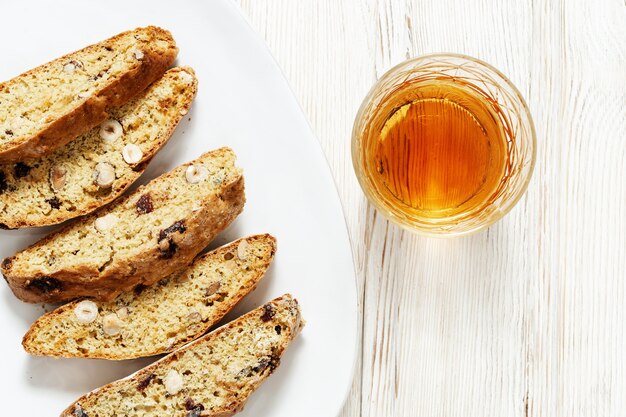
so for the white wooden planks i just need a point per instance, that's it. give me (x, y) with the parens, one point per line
(526, 318)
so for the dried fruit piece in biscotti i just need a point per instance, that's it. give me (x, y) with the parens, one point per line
(94, 169)
(213, 376)
(159, 318)
(136, 240)
(50, 105)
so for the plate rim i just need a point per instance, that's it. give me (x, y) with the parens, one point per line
(236, 8)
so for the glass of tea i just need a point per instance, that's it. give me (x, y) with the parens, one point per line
(444, 145)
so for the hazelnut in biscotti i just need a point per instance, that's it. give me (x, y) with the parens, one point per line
(100, 165)
(213, 376)
(156, 319)
(51, 105)
(136, 240)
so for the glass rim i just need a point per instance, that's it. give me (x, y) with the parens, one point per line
(508, 204)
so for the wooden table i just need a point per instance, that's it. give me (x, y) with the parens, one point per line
(527, 317)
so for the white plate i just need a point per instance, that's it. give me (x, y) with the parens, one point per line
(243, 102)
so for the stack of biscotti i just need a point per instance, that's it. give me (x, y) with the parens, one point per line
(74, 135)
(77, 131)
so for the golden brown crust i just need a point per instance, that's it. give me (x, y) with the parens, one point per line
(212, 215)
(95, 109)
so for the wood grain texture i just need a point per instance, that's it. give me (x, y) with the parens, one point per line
(527, 317)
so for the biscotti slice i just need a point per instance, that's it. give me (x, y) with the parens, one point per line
(50, 105)
(138, 239)
(98, 166)
(213, 376)
(159, 318)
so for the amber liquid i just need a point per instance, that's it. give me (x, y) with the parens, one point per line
(437, 149)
